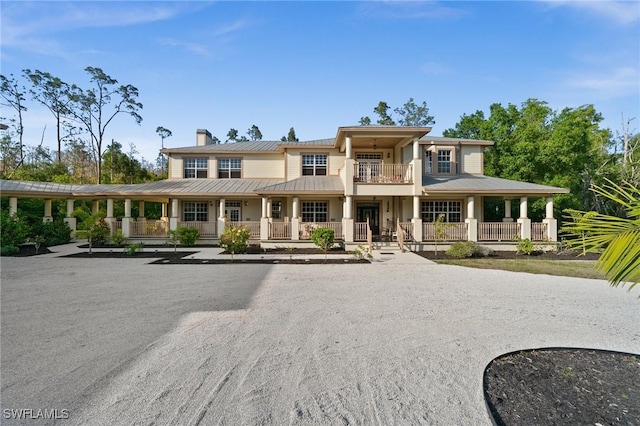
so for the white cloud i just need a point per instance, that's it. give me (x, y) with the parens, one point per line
(617, 82)
(195, 48)
(621, 12)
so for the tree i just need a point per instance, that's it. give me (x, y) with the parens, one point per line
(91, 108)
(232, 135)
(254, 133)
(51, 92)
(365, 121)
(163, 133)
(617, 237)
(323, 238)
(215, 141)
(384, 118)
(414, 115)
(291, 136)
(13, 95)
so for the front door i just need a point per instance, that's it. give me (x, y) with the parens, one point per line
(232, 211)
(369, 211)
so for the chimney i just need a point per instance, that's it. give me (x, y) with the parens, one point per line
(203, 137)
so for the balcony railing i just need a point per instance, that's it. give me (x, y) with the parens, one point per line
(539, 231)
(498, 231)
(148, 228)
(306, 228)
(280, 231)
(449, 231)
(382, 173)
(207, 229)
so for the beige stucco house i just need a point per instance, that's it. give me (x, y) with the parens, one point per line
(382, 178)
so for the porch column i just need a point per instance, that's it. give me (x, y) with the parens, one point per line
(416, 148)
(524, 221)
(173, 219)
(507, 211)
(417, 218)
(295, 220)
(13, 206)
(126, 220)
(471, 221)
(141, 219)
(348, 148)
(47, 212)
(550, 221)
(95, 206)
(69, 219)
(347, 219)
(264, 220)
(110, 219)
(164, 211)
(221, 219)
(269, 209)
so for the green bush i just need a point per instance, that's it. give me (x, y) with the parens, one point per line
(323, 238)
(9, 250)
(133, 248)
(187, 235)
(118, 238)
(13, 230)
(465, 249)
(235, 239)
(99, 232)
(54, 233)
(525, 246)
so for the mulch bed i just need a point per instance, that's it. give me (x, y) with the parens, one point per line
(564, 386)
(284, 250)
(27, 250)
(260, 261)
(565, 255)
(120, 254)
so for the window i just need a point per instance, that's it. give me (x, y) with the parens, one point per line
(195, 168)
(232, 210)
(229, 168)
(276, 209)
(314, 165)
(450, 209)
(444, 161)
(195, 212)
(428, 162)
(314, 211)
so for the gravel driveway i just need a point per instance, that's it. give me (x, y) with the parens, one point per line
(123, 342)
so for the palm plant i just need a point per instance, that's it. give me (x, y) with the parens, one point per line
(617, 238)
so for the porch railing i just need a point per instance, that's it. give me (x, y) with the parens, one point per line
(383, 173)
(360, 233)
(117, 225)
(280, 231)
(254, 227)
(407, 227)
(539, 231)
(450, 231)
(207, 229)
(306, 228)
(148, 228)
(498, 231)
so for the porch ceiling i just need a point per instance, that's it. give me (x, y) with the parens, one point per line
(381, 136)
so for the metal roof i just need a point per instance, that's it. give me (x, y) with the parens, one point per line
(479, 184)
(306, 185)
(249, 146)
(442, 140)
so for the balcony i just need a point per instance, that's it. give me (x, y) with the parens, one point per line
(382, 173)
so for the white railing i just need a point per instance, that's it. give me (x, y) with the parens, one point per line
(117, 225)
(539, 231)
(450, 231)
(148, 228)
(498, 231)
(407, 227)
(207, 229)
(253, 226)
(280, 231)
(360, 231)
(306, 228)
(383, 173)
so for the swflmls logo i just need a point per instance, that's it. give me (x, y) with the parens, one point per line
(31, 414)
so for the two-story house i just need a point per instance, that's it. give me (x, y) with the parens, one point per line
(378, 179)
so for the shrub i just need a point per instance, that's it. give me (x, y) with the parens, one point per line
(118, 238)
(54, 233)
(464, 249)
(525, 246)
(187, 235)
(235, 239)
(362, 251)
(99, 232)
(323, 238)
(37, 241)
(13, 230)
(133, 248)
(9, 250)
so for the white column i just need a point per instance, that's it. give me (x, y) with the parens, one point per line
(550, 221)
(264, 220)
(269, 208)
(265, 206)
(471, 221)
(349, 147)
(417, 218)
(173, 218)
(416, 207)
(110, 207)
(296, 212)
(13, 206)
(221, 219)
(47, 212)
(507, 211)
(524, 221)
(69, 219)
(110, 219)
(140, 209)
(347, 219)
(416, 148)
(126, 220)
(164, 211)
(348, 207)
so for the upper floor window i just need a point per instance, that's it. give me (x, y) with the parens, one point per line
(314, 165)
(195, 168)
(195, 212)
(229, 168)
(428, 162)
(444, 161)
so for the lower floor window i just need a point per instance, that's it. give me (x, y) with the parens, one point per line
(450, 209)
(195, 212)
(276, 209)
(314, 211)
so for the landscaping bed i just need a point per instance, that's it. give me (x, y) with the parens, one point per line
(564, 386)
(564, 255)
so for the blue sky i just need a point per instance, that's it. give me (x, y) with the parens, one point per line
(320, 65)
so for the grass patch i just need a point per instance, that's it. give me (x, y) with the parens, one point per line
(578, 269)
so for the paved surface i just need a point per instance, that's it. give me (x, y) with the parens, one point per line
(402, 340)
